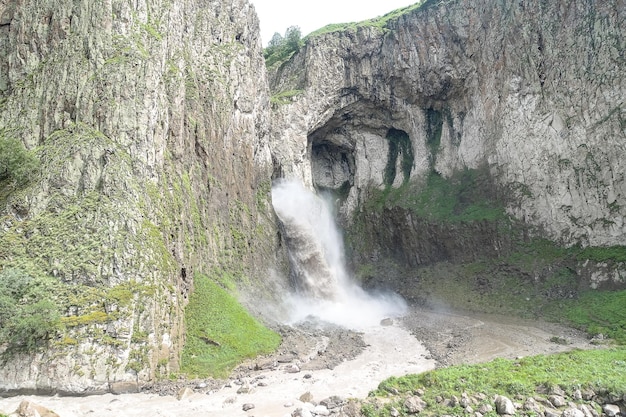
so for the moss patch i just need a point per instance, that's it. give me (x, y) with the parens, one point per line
(285, 97)
(466, 196)
(220, 332)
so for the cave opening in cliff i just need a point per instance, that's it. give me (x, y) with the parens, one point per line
(332, 168)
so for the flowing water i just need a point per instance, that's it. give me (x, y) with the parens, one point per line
(323, 288)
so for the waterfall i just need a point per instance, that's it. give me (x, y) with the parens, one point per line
(322, 286)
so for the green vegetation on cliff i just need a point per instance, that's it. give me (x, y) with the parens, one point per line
(29, 316)
(466, 196)
(280, 48)
(380, 22)
(220, 332)
(16, 163)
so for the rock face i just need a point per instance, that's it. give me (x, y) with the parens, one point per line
(532, 91)
(150, 120)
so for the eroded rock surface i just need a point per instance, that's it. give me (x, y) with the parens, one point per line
(150, 120)
(533, 91)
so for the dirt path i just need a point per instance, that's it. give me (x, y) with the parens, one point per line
(327, 362)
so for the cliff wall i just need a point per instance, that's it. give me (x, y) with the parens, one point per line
(533, 90)
(150, 122)
(527, 95)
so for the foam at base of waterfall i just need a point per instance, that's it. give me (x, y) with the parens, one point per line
(355, 309)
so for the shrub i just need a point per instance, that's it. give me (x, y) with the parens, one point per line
(17, 165)
(281, 48)
(29, 317)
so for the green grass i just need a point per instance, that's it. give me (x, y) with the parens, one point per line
(465, 197)
(596, 312)
(220, 332)
(285, 97)
(603, 254)
(380, 22)
(600, 370)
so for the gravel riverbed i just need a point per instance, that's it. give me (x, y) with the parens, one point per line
(318, 364)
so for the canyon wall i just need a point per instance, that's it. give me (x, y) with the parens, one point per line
(150, 121)
(147, 127)
(528, 97)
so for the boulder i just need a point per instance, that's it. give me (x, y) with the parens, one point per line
(572, 412)
(184, 393)
(550, 412)
(504, 405)
(531, 405)
(557, 401)
(587, 411)
(292, 369)
(124, 387)
(301, 412)
(30, 409)
(611, 410)
(333, 402)
(307, 397)
(415, 405)
(588, 394)
(321, 410)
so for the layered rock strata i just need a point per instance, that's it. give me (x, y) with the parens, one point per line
(150, 121)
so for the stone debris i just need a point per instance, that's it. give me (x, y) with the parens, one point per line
(184, 393)
(30, 409)
(414, 405)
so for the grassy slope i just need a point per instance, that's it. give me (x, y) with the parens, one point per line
(377, 22)
(599, 370)
(220, 332)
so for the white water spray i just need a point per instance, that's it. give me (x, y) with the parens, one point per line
(324, 289)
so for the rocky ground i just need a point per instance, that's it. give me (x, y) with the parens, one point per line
(465, 338)
(318, 368)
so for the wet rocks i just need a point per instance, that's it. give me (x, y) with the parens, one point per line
(331, 406)
(30, 409)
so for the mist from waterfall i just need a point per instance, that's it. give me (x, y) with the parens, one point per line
(323, 288)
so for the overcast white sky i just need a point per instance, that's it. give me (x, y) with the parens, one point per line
(278, 15)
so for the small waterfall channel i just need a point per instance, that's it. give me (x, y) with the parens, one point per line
(323, 289)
